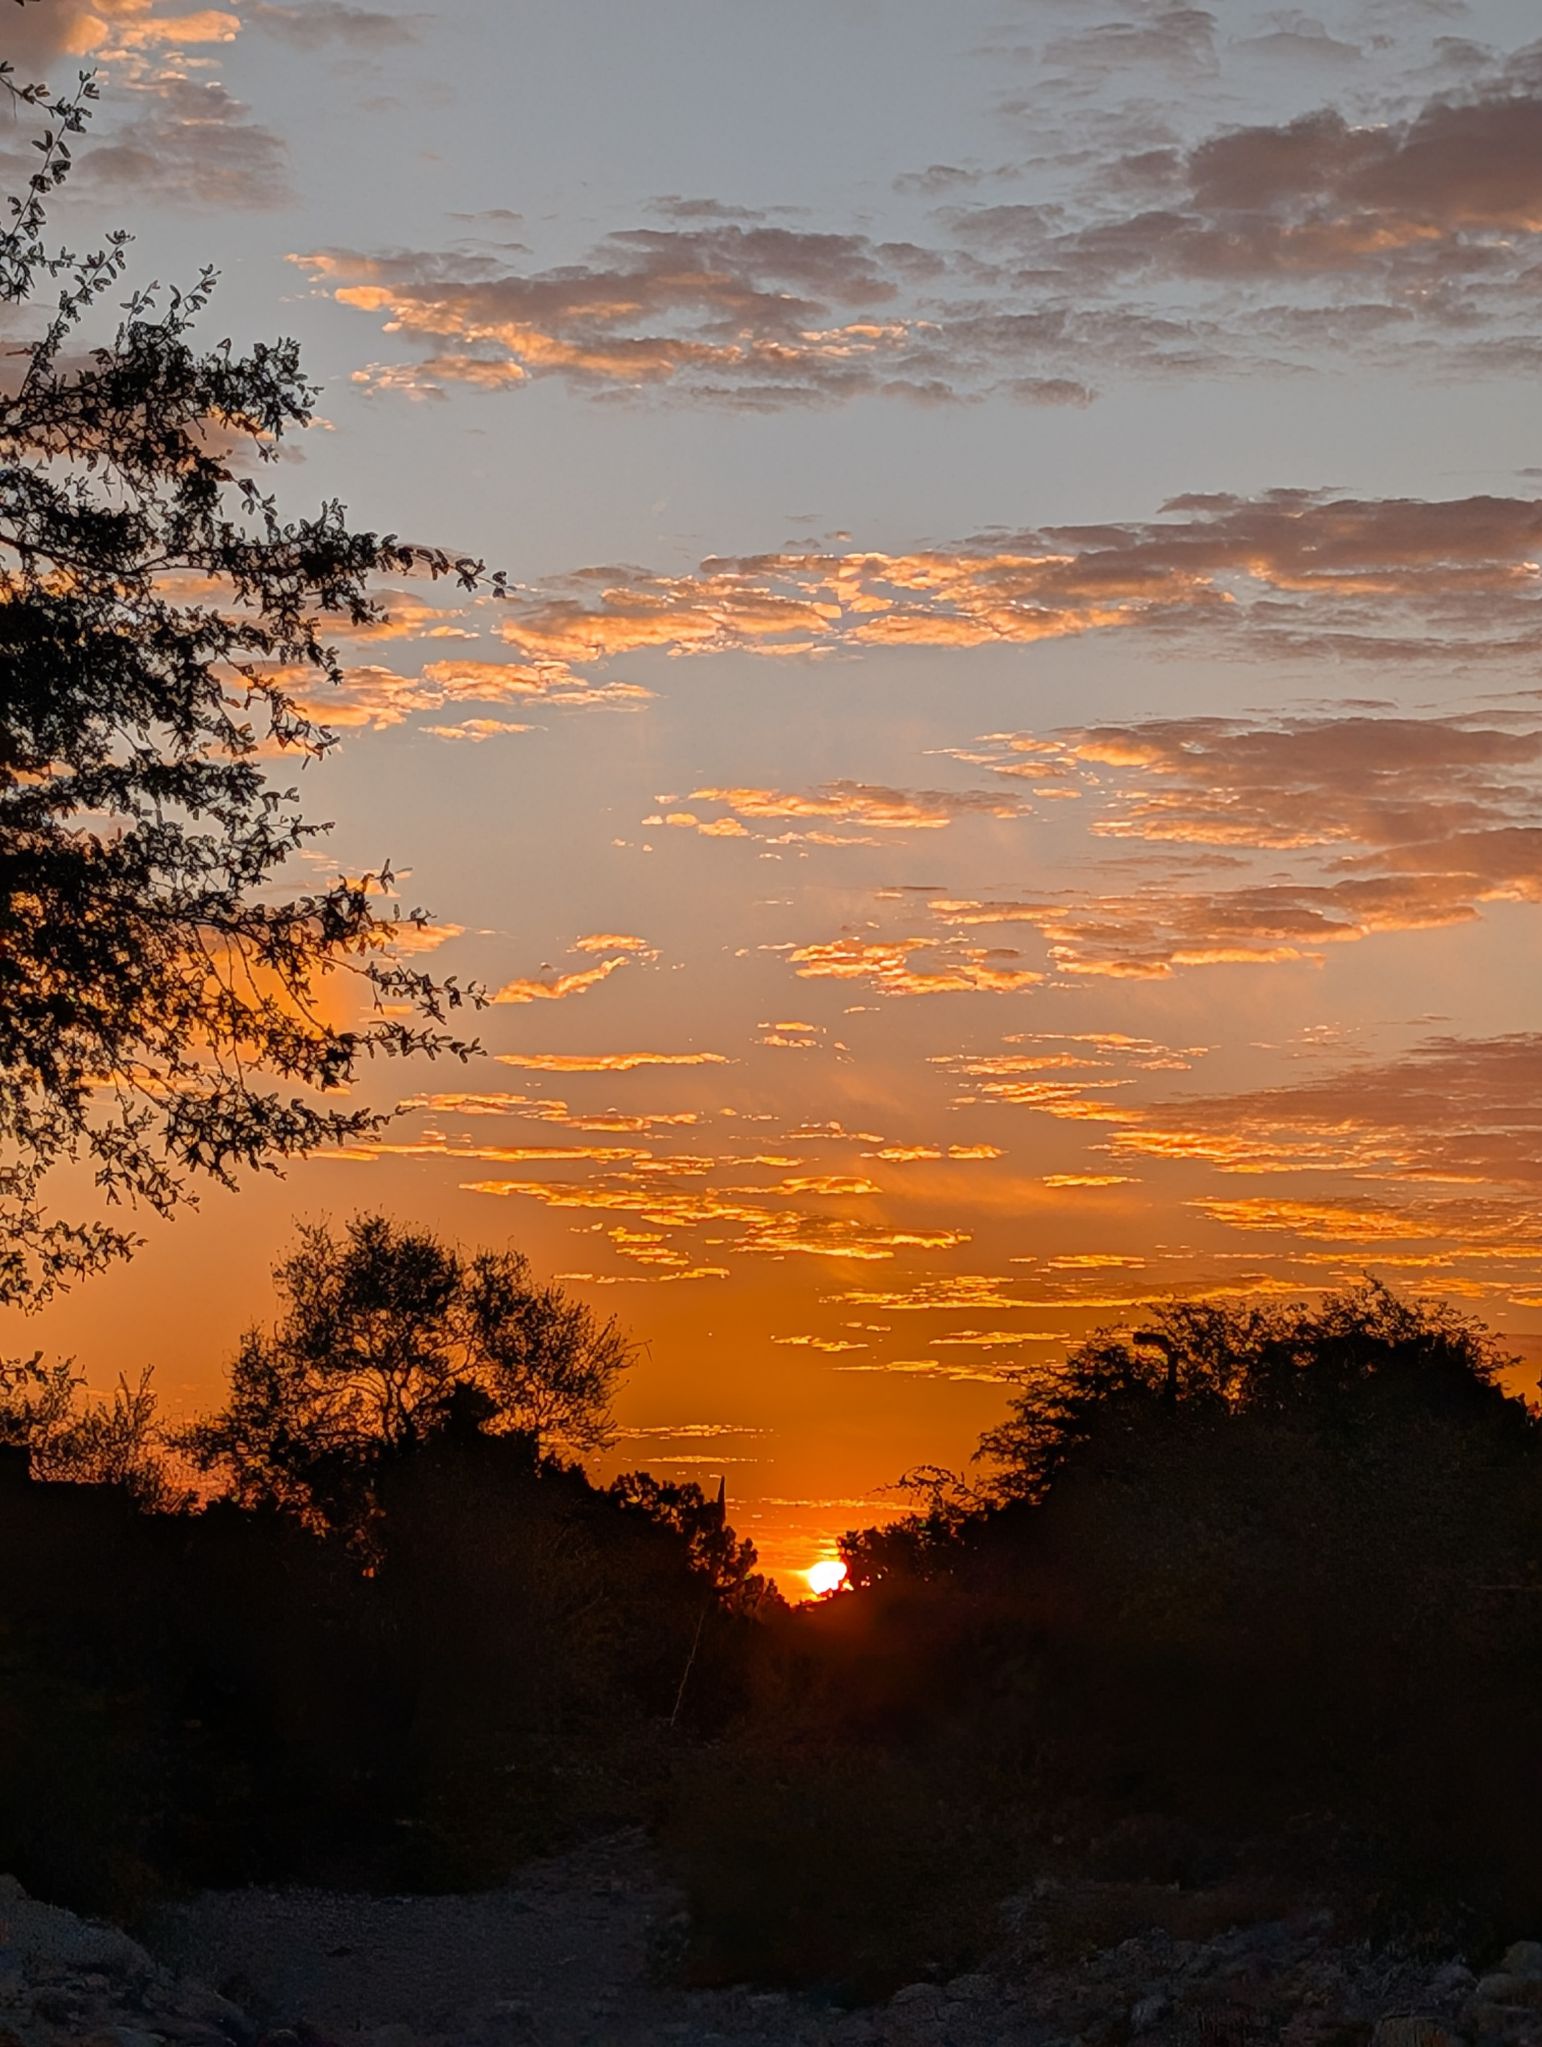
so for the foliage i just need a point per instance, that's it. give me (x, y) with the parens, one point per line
(919, 1543)
(1363, 1348)
(164, 1015)
(1251, 1591)
(387, 1335)
(724, 1559)
(69, 1435)
(847, 1870)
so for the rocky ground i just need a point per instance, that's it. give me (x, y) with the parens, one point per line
(576, 1951)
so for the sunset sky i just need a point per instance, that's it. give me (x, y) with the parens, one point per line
(1009, 784)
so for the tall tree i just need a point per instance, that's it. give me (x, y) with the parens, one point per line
(387, 1336)
(160, 987)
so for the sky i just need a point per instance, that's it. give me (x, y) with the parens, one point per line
(1008, 784)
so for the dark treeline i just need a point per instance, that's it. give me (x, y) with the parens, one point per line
(405, 1641)
(1249, 1598)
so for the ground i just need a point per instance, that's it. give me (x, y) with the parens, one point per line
(579, 1949)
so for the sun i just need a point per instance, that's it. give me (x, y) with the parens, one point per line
(825, 1577)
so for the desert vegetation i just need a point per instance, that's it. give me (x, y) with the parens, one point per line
(1248, 1599)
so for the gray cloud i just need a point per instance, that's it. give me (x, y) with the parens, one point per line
(190, 144)
(318, 24)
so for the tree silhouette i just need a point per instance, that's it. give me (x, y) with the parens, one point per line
(159, 1020)
(724, 1559)
(1360, 1354)
(387, 1336)
(73, 1436)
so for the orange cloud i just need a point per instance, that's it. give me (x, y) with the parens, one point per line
(475, 730)
(1457, 1109)
(764, 1232)
(1389, 824)
(613, 941)
(889, 965)
(561, 986)
(866, 803)
(607, 1062)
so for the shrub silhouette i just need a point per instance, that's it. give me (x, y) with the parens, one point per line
(1266, 1580)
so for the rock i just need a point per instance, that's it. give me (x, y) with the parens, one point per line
(1523, 1958)
(1503, 1988)
(204, 2006)
(1452, 1979)
(916, 1997)
(973, 1988)
(49, 1939)
(1149, 2011)
(11, 1892)
(393, 2035)
(1500, 2025)
(1411, 2030)
(58, 2004)
(123, 2036)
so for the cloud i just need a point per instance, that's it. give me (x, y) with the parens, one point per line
(947, 1293)
(1170, 37)
(548, 1109)
(190, 144)
(476, 731)
(1392, 824)
(560, 986)
(614, 941)
(500, 1154)
(1400, 238)
(913, 966)
(1446, 1232)
(762, 1231)
(1460, 1109)
(833, 1345)
(1290, 573)
(318, 24)
(553, 682)
(1303, 40)
(36, 36)
(930, 1368)
(374, 697)
(1313, 236)
(865, 803)
(760, 313)
(913, 1154)
(606, 1062)
(1300, 782)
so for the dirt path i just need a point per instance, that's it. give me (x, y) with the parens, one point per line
(558, 1958)
(561, 1958)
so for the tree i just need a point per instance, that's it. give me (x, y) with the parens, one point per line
(159, 1018)
(926, 1542)
(724, 1559)
(1362, 1355)
(387, 1336)
(72, 1437)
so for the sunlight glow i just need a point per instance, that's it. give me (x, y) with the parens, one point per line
(825, 1577)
